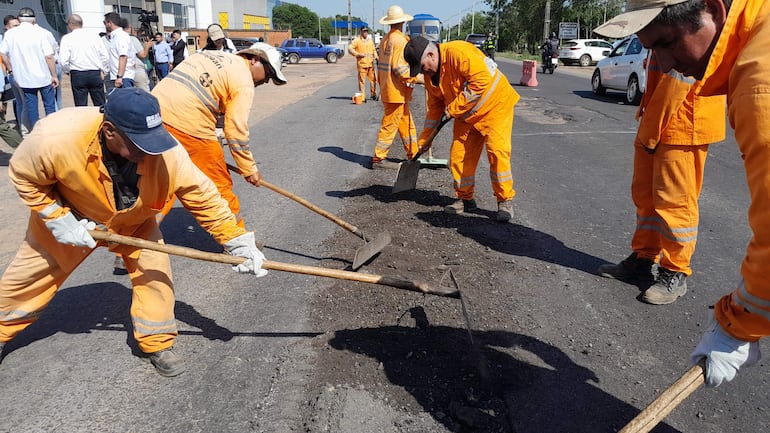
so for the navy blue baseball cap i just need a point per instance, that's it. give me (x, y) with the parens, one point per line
(137, 114)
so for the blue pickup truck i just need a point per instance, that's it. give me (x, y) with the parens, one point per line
(301, 48)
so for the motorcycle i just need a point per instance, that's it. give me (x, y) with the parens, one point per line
(550, 62)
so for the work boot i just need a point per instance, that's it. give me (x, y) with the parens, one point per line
(667, 287)
(167, 362)
(119, 267)
(631, 268)
(384, 164)
(504, 211)
(460, 206)
(373, 97)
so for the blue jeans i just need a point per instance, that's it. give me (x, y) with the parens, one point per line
(47, 93)
(162, 70)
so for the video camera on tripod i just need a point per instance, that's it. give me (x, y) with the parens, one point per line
(146, 18)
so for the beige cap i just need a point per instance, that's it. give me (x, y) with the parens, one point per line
(395, 15)
(271, 56)
(215, 32)
(639, 13)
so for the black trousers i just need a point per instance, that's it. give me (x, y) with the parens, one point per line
(86, 83)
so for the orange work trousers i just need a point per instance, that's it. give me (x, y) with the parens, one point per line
(466, 150)
(397, 118)
(363, 74)
(34, 276)
(665, 189)
(208, 156)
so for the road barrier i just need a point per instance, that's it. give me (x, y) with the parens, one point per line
(529, 73)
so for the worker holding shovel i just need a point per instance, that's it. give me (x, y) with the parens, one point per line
(82, 167)
(205, 85)
(466, 85)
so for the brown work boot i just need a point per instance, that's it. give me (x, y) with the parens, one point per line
(668, 287)
(167, 363)
(460, 206)
(631, 268)
(384, 164)
(504, 211)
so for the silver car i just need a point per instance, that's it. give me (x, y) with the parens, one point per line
(585, 52)
(624, 69)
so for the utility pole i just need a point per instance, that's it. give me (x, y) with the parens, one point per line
(547, 22)
(497, 18)
(350, 23)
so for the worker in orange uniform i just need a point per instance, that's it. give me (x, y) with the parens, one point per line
(205, 85)
(670, 152)
(395, 91)
(723, 44)
(466, 85)
(362, 48)
(118, 169)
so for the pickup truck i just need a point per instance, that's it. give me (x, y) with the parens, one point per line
(301, 48)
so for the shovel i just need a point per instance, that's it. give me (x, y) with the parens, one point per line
(413, 286)
(406, 179)
(363, 254)
(667, 401)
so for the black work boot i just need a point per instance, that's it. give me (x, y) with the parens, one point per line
(631, 268)
(167, 363)
(668, 287)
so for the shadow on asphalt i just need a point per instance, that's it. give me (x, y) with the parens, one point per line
(510, 382)
(4, 158)
(382, 193)
(362, 160)
(610, 96)
(105, 306)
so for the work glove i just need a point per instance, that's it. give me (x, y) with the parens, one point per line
(245, 246)
(724, 354)
(67, 230)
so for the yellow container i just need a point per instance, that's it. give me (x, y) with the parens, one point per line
(358, 98)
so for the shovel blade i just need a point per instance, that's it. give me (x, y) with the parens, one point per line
(370, 250)
(407, 176)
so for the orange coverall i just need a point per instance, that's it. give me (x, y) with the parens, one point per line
(481, 101)
(365, 65)
(395, 93)
(205, 85)
(61, 162)
(678, 127)
(738, 68)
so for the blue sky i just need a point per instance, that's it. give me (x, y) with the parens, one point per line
(446, 10)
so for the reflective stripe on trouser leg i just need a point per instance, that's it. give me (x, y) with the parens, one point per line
(29, 283)
(152, 303)
(397, 118)
(363, 74)
(498, 144)
(372, 81)
(675, 181)
(209, 157)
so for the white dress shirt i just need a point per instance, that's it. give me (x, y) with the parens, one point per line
(83, 50)
(27, 47)
(120, 45)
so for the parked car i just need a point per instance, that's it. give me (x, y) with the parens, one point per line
(301, 48)
(585, 52)
(476, 39)
(624, 69)
(243, 43)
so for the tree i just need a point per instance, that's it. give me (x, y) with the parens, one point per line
(302, 21)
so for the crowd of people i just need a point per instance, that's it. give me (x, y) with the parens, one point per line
(702, 50)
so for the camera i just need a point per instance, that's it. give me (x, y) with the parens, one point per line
(148, 17)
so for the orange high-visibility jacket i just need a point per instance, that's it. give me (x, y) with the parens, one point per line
(738, 67)
(365, 47)
(470, 88)
(61, 163)
(205, 85)
(678, 116)
(393, 69)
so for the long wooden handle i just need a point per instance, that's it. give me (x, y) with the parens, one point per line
(429, 141)
(337, 220)
(667, 401)
(192, 253)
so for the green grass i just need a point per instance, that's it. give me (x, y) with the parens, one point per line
(517, 56)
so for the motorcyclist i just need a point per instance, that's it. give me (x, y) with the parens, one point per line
(549, 48)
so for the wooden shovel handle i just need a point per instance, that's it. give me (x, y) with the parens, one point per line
(337, 220)
(667, 401)
(272, 265)
(429, 141)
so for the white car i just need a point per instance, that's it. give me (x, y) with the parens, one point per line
(624, 69)
(583, 51)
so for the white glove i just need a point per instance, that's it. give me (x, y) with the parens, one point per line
(67, 230)
(245, 246)
(724, 354)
